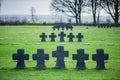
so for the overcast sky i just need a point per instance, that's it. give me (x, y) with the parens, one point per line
(24, 6)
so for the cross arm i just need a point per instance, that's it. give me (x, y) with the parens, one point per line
(54, 54)
(73, 36)
(46, 56)
(82, 36)
(40, 36)
(77, 36)
(86, 56)
(94, 56)
(34, 56)
(66, 53)
(64, 34)
(68, 36)
(49, 35)
(26, 56)
(74, 57)
(59, 34)
(106, 56)
(14, 56)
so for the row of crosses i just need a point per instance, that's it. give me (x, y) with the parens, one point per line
(80, 56)
(62, 25)
(43, 37)
(104, 26)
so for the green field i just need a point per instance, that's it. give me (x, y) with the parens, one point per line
(27, 37)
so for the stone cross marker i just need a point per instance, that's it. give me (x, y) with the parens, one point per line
(20, 57)
(70, 36)
(62, 25)
(56, 26)
(80, 57)
(69, 26)
(40, 57)
(60, 54)
(52, 36)
(43, 37)
(79, 36)
(99, 58)
(62, 35)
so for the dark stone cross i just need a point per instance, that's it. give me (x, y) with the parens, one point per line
(43, 36)
(79, 36)
(52, 36)
(62, 35)
(69, 26)
(70, 36)
(109, 26)
(56, 26)
(40, 57)
(80, 57)
(60, 54)
(62, 25)
(99, 58)
(20, 57)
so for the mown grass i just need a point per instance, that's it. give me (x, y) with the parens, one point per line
(27, 37)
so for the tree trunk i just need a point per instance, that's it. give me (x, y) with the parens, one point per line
(76, 18)
(80, 19)
(33, 18)
(80, 2)
(116, 13)
(94, 8)
(94, 19)
(98, 17)
(76, 12)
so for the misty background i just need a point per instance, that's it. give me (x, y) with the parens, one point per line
(21, 10)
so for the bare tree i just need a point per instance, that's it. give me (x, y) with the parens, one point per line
(71, 8)
(81, 5)
(33, 14)
(98, 15)
(112, 7)
(95, 8)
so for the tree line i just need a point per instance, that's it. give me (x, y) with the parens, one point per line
(74, 8)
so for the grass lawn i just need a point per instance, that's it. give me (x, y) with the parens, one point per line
(27, 37)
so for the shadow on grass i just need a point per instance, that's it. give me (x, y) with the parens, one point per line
(53, 69)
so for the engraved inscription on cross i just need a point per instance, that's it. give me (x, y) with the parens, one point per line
(60, 54)
(80, 57)
(40, 57)
(99, 58)
(20, 57)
